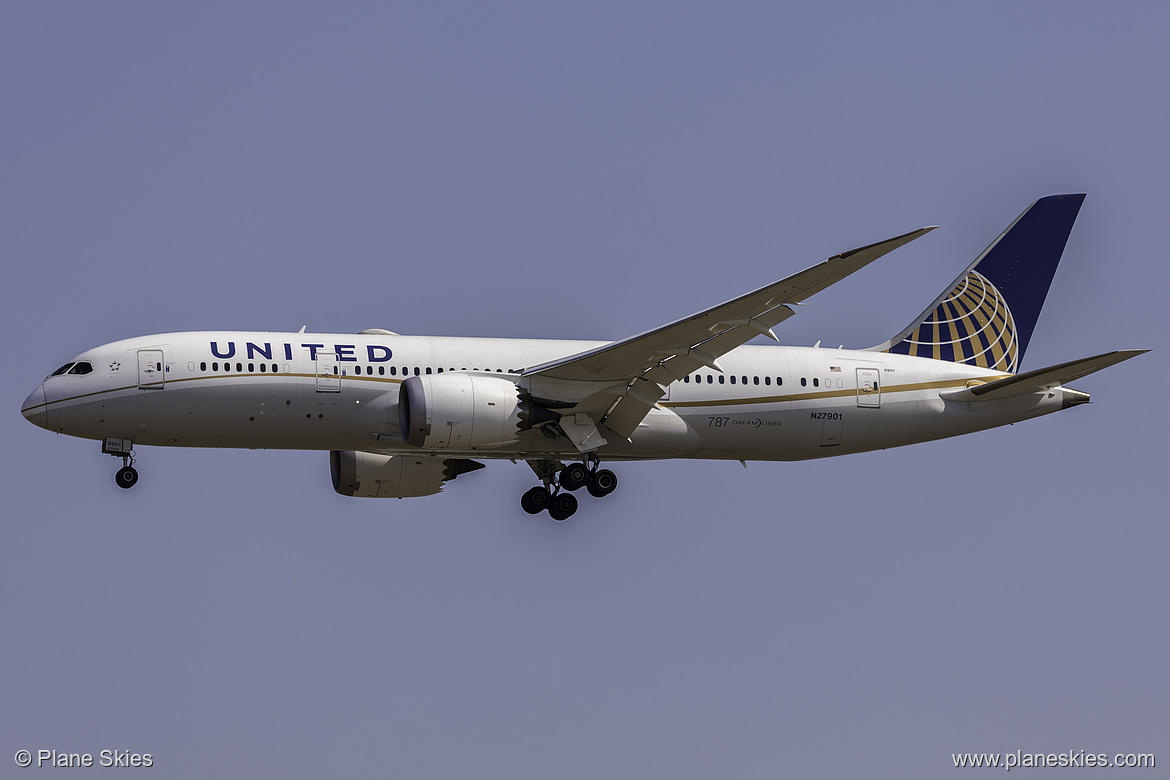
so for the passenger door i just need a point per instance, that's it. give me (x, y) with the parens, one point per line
(328, 373)
(151, 369)
(869, 388)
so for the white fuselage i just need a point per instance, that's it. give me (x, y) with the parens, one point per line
(340, 392)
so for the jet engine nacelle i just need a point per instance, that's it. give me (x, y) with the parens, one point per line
(458, 411)
(367, 475)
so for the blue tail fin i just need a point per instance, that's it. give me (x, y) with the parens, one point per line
(987, 316)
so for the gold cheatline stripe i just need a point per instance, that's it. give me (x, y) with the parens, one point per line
(210, 376)
(937, 385)
(773, 399)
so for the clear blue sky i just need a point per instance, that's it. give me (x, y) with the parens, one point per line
(580, 171)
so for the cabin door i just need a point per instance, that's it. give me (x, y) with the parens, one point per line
(869, 388)
(152, 370)
(328, 370)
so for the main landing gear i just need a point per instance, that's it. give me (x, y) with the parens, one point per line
(556, 496)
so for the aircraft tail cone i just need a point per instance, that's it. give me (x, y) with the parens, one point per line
(1073, 398)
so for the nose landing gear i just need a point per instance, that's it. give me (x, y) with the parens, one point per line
(127, 476)
(556, 496)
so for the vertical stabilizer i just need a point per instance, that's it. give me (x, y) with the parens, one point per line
(986, 317)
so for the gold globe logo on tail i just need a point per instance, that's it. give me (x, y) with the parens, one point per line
(972, 325)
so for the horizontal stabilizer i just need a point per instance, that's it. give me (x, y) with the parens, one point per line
(1041, 379)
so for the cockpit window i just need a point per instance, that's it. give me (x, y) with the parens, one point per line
(81, 368)
(62, 369)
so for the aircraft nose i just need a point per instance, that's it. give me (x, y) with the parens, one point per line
(35, 409)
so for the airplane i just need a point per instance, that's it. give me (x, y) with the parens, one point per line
(403, 415)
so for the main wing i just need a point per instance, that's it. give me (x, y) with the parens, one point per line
(633, 373)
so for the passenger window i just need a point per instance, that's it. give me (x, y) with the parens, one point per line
(816, 382)
(803, 382)
(755, 380)
(768, 380)
(721, 378)
(733, 379)
(393, 371)
(428, 369)
(203, 366)
(239, 368)
(381, 370)
(779, 381)
(416, 370)
(263, 368)
(251, 368)
(710, 378)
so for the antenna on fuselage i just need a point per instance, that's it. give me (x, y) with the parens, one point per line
(302, 330)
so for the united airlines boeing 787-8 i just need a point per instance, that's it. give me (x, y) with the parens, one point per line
(402, 415)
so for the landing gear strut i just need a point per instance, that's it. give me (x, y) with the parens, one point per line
(556, 495)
